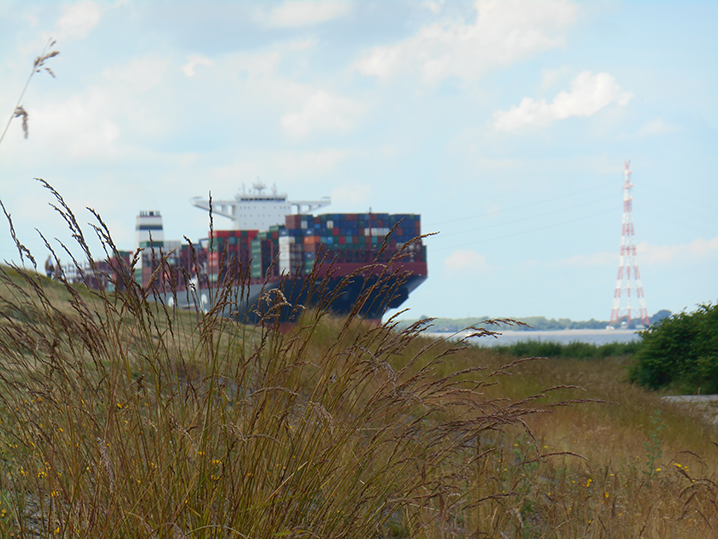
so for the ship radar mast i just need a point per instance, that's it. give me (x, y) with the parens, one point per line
(257, 210)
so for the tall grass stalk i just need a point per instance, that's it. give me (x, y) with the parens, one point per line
(37, 67)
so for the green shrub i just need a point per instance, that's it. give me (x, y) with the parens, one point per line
(572, 350)
(681, 352)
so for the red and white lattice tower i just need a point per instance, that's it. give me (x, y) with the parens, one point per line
(628, 284)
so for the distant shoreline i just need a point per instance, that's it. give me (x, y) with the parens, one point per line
(540, 332)
(565, 336)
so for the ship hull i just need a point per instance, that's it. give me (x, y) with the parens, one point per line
(368, 295)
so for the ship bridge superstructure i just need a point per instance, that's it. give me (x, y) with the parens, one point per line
(258, 208)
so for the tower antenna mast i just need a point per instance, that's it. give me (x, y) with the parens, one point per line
(629, 278)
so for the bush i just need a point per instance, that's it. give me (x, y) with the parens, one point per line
(681, 352)
(572, 350)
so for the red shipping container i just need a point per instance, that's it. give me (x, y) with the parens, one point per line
(293, 221)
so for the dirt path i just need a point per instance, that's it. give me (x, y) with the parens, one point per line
(706, 404)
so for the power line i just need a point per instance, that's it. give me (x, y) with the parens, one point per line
(612, 210)
(486, 214)
(675, 222)
(527, 218)
(688, 208)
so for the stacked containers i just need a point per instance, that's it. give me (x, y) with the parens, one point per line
(257, 257)
(291, 250)
(264, 249)
(234, 245)
(353, 238)
(348, 238)
(345, 238)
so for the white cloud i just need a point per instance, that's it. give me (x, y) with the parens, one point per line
(665, 254)
(187, 159)
(261, 64)
(323, 111)
(585, 261)
(492, 210)
(78, 19)
(351, 194)
(435, 7)
(306, 13)
(657, 127)
(589, 94)
(292, 167)
(306, 163)
(465, 260)
(552, 77)
(83, 127)
(194, 61)
(504, 32)
(139, 74)
(653, 128)
(301, 45)
(106, 121)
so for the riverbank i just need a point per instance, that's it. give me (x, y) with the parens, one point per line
(564, 336)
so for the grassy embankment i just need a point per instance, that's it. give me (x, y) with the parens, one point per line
(121, 417)
(122, 423)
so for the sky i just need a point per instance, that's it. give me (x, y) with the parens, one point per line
(504, 123)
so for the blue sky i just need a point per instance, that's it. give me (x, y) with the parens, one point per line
(505, 124)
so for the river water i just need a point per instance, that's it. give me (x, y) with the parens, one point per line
(564, 336)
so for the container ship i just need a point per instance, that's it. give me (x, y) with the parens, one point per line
(365, 263)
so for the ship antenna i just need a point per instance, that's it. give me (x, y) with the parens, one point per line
(259, 186)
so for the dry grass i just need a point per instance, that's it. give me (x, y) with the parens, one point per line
(121, 417)
(648, 467)
(37, 67)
